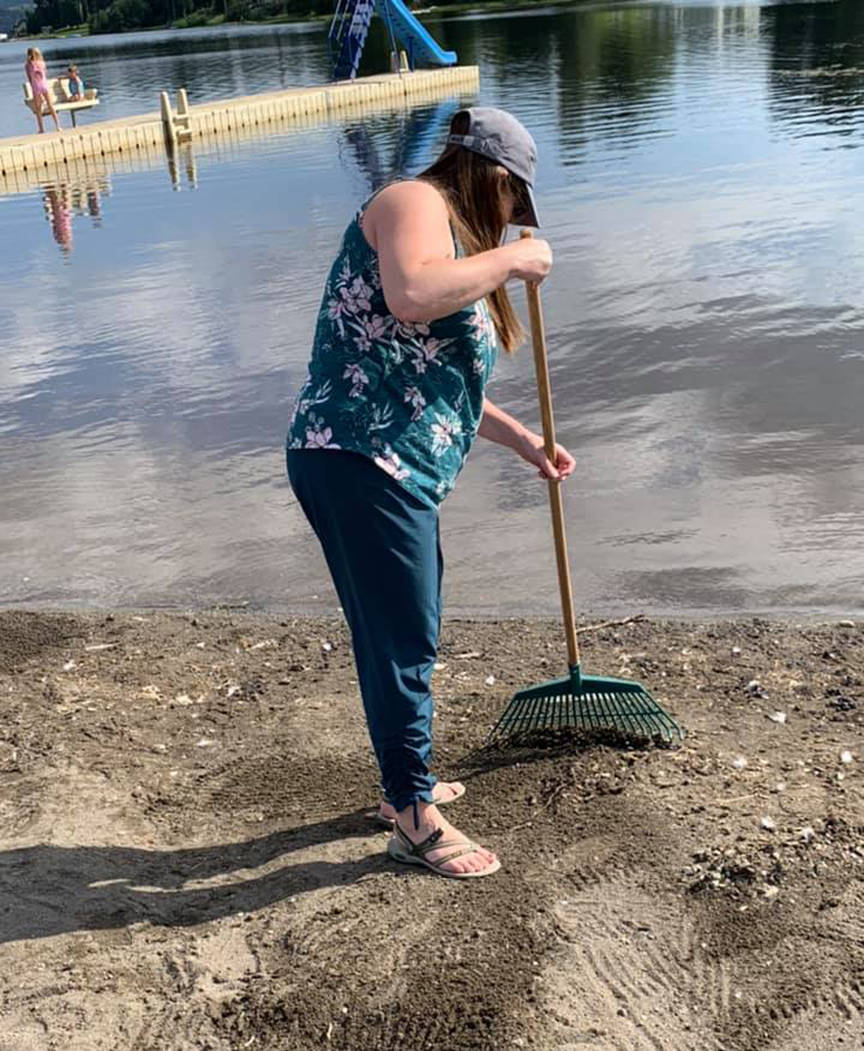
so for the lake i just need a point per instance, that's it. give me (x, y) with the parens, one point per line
(700, 181)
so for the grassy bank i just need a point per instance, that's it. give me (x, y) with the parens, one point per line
(57, 34)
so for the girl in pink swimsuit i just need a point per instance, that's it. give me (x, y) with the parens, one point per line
(35, 70)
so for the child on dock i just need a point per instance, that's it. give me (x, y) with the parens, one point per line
(76, 84)
(34, 67)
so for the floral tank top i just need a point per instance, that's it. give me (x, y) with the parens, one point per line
(409, 395)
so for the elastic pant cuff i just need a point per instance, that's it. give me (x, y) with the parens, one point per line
(412, 795)
(403, 801)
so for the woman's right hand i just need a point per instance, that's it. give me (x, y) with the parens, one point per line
(532, 259)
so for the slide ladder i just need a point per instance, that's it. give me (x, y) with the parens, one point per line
(350, 27)
(347, 36)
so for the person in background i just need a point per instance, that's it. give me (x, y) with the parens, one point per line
(76, 84)
(34, 67)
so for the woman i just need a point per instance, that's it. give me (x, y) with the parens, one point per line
(413, 310)
(34, 67)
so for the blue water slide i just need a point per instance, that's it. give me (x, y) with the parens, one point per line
(416, 40)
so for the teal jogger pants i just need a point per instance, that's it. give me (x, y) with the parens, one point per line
(383, 551)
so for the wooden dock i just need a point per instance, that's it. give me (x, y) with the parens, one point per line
(30, 160)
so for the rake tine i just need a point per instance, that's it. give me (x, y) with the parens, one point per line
(604, 713)
(575, 711)
(535, 711)
(640, 718)
(521, 717)
(656, 722)
(595, 703)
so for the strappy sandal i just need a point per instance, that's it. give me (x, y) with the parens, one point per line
(400, 848)
(389, 822)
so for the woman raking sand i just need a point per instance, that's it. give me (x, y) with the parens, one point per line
(412, 316)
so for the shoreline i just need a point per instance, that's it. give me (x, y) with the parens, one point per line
(492, 6)
(790, 619)
(187, 852)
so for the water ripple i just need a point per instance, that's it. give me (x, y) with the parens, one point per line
(699, 178)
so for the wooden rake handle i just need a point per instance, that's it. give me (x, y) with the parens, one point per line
(544, 391)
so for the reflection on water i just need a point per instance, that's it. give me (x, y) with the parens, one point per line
(62, 201)
(411, 140)
(411, 137)
(68, 202)
(699, 176)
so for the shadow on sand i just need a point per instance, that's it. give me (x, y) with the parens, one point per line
(47, 890)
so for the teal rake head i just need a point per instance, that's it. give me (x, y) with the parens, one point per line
(604, 708)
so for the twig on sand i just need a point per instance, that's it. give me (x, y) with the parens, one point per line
(733, 799)
(635, 619)
(550, 799)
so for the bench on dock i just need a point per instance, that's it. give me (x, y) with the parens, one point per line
(63, 98)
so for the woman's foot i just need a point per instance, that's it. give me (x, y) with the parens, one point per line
(456, 856)
(442, 792)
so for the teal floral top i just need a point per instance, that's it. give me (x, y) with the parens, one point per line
(407, 394)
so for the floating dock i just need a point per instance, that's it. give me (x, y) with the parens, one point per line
(32, 159)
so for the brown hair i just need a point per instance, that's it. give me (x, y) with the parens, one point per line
(473, 188)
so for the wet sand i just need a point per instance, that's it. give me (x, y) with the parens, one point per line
(188, 860)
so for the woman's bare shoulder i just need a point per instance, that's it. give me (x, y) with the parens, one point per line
(408, 194)
(409, 203)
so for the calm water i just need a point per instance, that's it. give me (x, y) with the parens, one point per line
(701, 177)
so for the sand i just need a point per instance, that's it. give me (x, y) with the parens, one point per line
(188, 860)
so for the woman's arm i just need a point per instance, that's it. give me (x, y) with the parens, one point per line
(498, 426)
(409, 227)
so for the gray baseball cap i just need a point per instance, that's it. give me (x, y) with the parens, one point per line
(496, 134)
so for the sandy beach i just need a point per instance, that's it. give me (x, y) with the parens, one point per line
(188, 859)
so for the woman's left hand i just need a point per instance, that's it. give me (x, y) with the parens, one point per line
(532, 450)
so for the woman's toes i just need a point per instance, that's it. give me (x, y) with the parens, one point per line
(476, 861)
(463, 865)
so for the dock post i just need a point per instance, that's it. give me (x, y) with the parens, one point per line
(183, 120)
(167, 121)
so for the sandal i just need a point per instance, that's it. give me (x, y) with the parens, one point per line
(401, 848)
(389, 822)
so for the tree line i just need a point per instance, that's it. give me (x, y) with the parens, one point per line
(113, 16)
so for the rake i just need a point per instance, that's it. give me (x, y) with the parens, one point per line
(615, 709)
